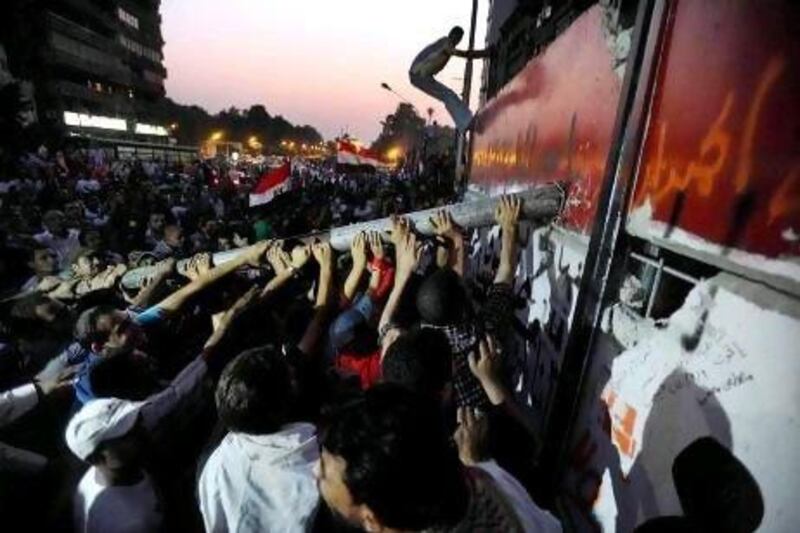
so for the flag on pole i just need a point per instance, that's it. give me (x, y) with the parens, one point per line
(348, 153)
(273, 183)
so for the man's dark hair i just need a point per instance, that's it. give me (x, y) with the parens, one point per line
(399, 461)
(420, 360)
(86, 332)
(121, 374)
(256, 393)
(442, 299)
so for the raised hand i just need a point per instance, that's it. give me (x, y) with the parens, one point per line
(444, 225)
(508, 211)
(376, 244)
(400, 227)
(486, 365)
(279, 259)
(300, 256)
(323, 254)
(409, 253)
(358, 250)
(196, 267)
(255, 254)
(471, 436)
(59, 383)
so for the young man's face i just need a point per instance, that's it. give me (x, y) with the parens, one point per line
(87, 266)
(174, 236)
(44, 263)
(332, 488)
(157, 221)
(121, 330)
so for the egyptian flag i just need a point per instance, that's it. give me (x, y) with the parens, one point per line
(349, 153)
(273, 183)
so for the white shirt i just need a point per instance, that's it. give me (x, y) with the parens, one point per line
(116, 509)
(16, 402)
(261, 482)
(433, 58)
(531, 517)
(13, 404)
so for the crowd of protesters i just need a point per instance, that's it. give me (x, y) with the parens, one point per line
(288, 389)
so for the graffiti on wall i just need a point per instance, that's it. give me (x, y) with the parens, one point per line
(542, 127)
(546, 289)
(721, 160)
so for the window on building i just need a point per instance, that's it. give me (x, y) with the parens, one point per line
(140, 50)
(127, 18)
(658, 280)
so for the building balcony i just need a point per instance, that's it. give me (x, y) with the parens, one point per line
(79, 97)
(88, 10)
(95, 69)
(58, 24)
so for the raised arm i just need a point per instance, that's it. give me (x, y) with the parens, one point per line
(358, 250)
(323, 254)
(163, 270)
(284, 266)
(474, 54)
(453, 236)
(507, 216)
(486, 366)
(408, 252)
(251, 256)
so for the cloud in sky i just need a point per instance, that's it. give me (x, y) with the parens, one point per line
(318, 62)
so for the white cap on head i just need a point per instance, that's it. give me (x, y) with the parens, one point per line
(98, 421)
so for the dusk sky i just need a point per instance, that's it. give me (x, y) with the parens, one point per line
(318, 62)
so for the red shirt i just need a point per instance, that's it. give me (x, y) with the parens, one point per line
(366, 367)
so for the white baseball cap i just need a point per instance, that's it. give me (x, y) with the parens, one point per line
(98, 421)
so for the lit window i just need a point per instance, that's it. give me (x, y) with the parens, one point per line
(127, 18)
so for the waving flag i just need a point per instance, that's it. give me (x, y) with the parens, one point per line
(273, 183)
(348, 153)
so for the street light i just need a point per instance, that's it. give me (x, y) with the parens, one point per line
(216, 136)
(403, 99)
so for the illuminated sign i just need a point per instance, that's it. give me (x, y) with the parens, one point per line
(149, 129)
(82, 120)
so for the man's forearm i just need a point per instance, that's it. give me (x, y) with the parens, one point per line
(352, 281)
(400, 282)
(458, 256)
(318, 325)
(508, 254)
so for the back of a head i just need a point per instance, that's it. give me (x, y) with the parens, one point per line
(420, 360)
(121, 374)
(442, 299)
(456, 34)
(255, 393)
(398, 459)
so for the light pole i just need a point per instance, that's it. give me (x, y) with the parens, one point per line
(402, 98)
(465, 95)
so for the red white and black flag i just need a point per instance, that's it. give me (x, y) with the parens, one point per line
(349, 153)
(273, 182)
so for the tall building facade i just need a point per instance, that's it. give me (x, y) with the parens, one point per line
(97, 65)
